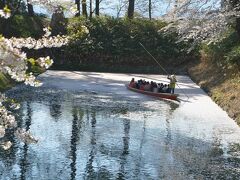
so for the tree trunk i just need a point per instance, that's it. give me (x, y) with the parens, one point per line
(30, 9)
(238, 27)
(97, 8)
(175, 9)
(131, 9)
(77, 2)
(150, 9)
(90, 9)
(2, 4)
(84, 8)
(235, 4)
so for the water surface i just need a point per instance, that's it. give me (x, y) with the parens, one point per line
(99, 135)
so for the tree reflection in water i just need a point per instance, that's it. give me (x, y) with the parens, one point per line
(24, 162)
(55, 107)
(89, 166)
(75, 137)
(125, 152)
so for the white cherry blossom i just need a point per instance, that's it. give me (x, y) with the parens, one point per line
(14, 62)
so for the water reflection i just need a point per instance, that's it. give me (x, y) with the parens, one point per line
(84, 136)
(24, 161)
(76, 126)
(125, 152)
(89, 166)
(55, 107)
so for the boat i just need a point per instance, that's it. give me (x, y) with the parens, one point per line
(158, 95)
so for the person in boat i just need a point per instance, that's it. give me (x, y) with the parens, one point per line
(142, 84)
(147, 86)
(142, 87)
(168, 89)
(160, 86)
(137, 84)
(152, 85)
(172, 84)
(164, 89)
(155, 87)
(132, 83)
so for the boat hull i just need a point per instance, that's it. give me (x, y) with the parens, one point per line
(158, 95)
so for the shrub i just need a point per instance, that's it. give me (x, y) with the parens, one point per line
(22, 26)
(116, 41)
(226, 51)
(233, 57)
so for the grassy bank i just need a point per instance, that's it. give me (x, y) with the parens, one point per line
(224, 90)
(5, 82)
(218, 73)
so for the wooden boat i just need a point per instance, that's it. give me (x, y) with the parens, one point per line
(159, 95)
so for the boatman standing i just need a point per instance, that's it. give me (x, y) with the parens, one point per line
(172, 84)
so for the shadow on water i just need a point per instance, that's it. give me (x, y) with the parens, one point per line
(107, 137)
